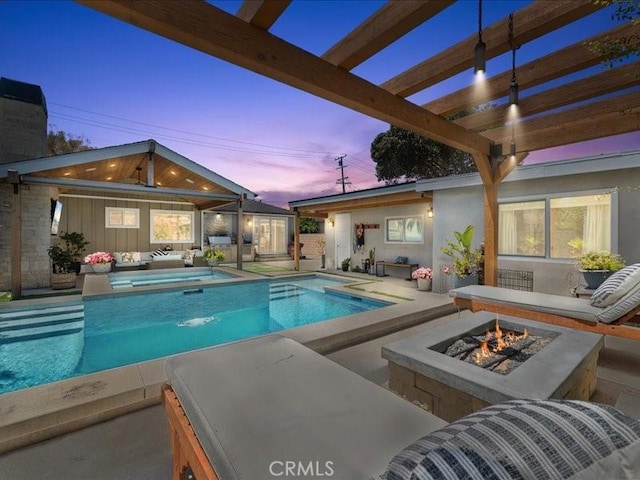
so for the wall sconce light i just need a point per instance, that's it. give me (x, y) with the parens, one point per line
(332, 222)
(249, 222)
(430, 211)
(218, 216)
(479, 62)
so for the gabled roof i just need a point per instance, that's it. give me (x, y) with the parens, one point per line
(127, 168)
(255, 207)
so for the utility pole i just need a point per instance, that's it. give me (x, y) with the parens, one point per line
(343, 180)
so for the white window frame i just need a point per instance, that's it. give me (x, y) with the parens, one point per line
(404, 241)
(547, 220)
(108, 223)
(153, 212)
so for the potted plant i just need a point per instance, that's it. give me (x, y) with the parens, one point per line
(100, 261)
(424, 276)
(75, 244)
(61, 274)
(466, 261)
(596, 267)
(213, 256)
(345, 264)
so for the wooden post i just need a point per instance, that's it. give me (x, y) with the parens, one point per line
(16, 244)
(296, 241)
(490, 234)
(240, 230)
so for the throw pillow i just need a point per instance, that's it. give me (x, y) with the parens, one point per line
(525, 439)
(127, 257)
(188, 257)
(118, 256)
(616, 286)
(159, 253)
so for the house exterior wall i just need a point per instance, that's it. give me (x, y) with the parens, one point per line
(375, 238)
(87, 216)
(455, 208)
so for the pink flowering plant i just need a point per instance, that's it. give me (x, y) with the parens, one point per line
(424, 273)
(99, 258)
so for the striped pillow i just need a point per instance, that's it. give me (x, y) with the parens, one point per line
(522, 439)
(159, 253)
(616, 286)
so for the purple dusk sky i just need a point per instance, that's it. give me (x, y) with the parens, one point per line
(113, 83)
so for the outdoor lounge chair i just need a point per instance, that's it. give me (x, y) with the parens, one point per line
(619, 298)
(270, 407)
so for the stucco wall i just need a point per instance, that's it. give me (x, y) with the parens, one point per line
(455, 208)
(375, 238)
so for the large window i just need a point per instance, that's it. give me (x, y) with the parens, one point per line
(404, 230)
(171, 226)
(556, 227)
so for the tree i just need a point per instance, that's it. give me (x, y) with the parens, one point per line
(401, 155)
(309, 225)
(627, 47)
(61, 142)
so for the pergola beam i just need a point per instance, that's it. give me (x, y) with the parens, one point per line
(602, 83)
(262, 13)
(571, 59)
(612, 116)
(206, 28)
(389, 23)
(531, 22)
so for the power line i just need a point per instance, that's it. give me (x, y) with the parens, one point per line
(342, 180)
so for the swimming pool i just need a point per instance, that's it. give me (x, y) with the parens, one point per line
(115, 330)
(163, 277)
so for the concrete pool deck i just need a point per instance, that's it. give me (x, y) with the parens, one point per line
(35, 414)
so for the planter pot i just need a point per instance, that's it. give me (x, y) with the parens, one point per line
(61, 281)
(101, 268)
(594, 278)
(464, 280)
(424, 285)
(372, 269)
(213, 263)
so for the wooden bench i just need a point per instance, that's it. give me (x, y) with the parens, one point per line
(410, 266)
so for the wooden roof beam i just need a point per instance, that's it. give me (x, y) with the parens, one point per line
(571, 59)
(262, 13)
(531, 22)
(605, 118)
(597, 85)
(206, 28)
(392, 21)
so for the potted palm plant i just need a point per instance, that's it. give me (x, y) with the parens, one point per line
(466, 260)
(75, 244)
(596, 267)
(345, 264)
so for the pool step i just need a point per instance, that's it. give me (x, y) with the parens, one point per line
(284, 291)
(40, 323)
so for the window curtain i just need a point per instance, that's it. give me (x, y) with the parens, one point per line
(508, 234)
(596, 229)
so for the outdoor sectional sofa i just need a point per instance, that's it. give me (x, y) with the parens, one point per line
(614, 303)
(269, 407)
(153, 260)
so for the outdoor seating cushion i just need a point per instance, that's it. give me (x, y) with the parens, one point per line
(527, 439)
(579, 308)
(271, 399)
(571, 307)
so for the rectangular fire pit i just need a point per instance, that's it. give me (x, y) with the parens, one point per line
(564, 367)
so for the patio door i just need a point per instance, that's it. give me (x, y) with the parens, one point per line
(343, 237)
(270, 235)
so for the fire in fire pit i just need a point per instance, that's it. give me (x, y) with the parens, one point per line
(497, 351)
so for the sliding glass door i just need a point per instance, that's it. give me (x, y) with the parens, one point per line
(270, 235)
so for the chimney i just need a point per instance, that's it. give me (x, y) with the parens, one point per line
(23, 121)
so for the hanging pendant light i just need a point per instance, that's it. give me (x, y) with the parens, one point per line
(513, 89)
(479, 62)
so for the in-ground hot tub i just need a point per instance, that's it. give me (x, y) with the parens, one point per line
(421, 371)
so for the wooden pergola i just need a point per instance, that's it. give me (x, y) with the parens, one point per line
(244, 39)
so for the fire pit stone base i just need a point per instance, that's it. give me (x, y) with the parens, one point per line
(452, 389)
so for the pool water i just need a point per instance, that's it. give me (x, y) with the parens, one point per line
(128, 328)
(151, 278)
